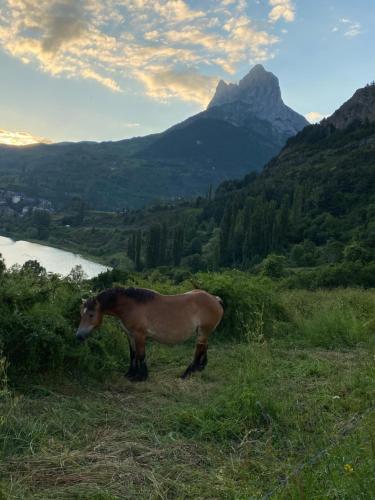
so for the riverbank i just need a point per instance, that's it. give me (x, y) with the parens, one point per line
(101, 239)
(59, 245)
(55, 260)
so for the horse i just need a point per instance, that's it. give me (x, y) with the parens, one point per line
(146, 314)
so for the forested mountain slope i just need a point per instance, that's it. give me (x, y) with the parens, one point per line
(227, 140)
(314, 202)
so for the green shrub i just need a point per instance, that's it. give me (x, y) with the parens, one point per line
(251, 305)
(273, 266)
(39, 317)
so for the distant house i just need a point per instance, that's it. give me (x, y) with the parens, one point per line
(16, 198)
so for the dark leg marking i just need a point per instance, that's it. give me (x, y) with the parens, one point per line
(199, 362)
(141, 371)
(132, 367)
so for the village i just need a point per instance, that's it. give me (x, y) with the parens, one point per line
(17, 204)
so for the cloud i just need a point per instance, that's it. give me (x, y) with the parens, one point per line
(20, 138)
(350, 29)
(156, 42)
(187, 85)
(314, 116)
(281, 9)
(63, 22)
(354, 30)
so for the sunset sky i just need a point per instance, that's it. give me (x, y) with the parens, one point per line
(109, 69)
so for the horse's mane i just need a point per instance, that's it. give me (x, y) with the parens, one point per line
(108, 298)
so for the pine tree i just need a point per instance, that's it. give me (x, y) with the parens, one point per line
(163, 244)
(178, 244)
(297, 205)
(284, 220)
(153, 246)
(225, 233)
(138, 249)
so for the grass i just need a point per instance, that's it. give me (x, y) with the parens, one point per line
(291, 417)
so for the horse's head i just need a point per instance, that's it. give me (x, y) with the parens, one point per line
(91, 318)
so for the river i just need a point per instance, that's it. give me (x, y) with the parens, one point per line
(52, 259)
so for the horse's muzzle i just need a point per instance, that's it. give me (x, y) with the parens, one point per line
(81, 336)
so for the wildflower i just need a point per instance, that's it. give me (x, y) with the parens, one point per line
(348, 468)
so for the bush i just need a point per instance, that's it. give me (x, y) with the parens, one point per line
(251, 305)
(273, 266)
(39, 315)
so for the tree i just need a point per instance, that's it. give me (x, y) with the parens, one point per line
(163, 244)
(211, 251)
(177, 244)
(131, 247)
(153, 246)
(355, 252)
(273, 266)
(138, 249)
(33, 267)
(226, 227)
(78, 207)
(42, 221)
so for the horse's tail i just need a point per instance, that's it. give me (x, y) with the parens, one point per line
(220, 300)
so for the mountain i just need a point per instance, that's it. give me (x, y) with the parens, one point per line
(314, 202)
(244, 126)
(255, 110)
(360, 107)
(260, 95)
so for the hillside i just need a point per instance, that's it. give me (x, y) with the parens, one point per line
(225, 141)
(314, 203)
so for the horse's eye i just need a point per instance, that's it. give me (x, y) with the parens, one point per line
(91, 315)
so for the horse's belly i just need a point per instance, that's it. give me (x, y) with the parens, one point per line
(170, 336)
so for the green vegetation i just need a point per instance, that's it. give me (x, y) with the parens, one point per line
(136, 172)
(308, 219)
(285, 406)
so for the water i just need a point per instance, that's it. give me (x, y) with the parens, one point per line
(52, 259)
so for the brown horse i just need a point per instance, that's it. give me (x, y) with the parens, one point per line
(168, 319)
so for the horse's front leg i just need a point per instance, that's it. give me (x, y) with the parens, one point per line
(141, 371)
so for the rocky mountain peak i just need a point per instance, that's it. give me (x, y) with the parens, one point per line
(258, 77)
(258, 93)
(360, 107)
(258, 83)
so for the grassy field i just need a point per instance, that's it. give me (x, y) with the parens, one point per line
(289, 417)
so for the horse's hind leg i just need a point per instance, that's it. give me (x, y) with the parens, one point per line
(132, 365)
(200, 356)
(141, 371)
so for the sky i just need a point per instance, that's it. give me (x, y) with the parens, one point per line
(73, 70)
